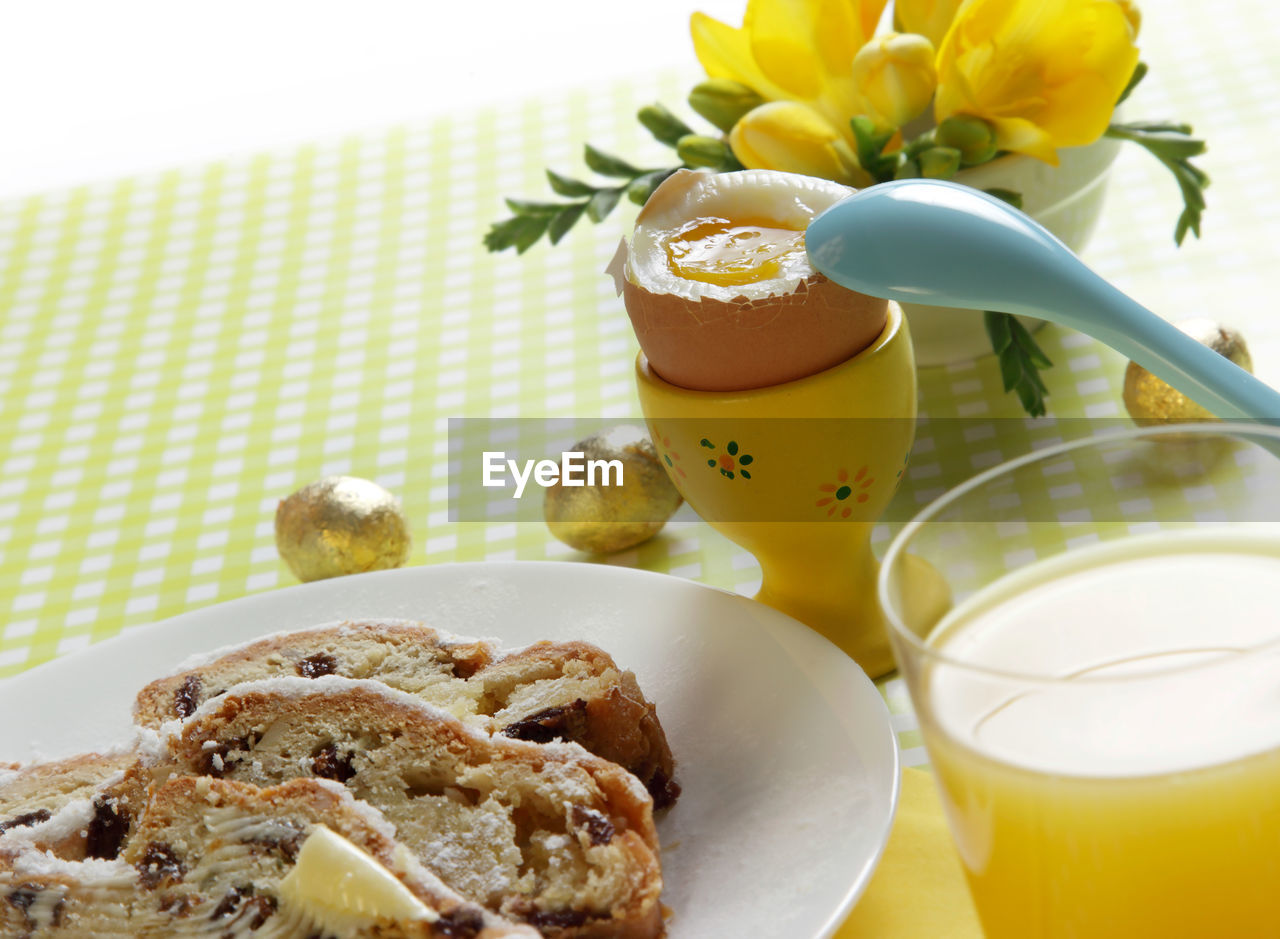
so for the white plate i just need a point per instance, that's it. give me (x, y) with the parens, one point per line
(784, 749)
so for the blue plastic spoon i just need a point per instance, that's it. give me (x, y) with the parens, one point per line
(940, 243)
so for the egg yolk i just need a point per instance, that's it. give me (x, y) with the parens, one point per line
(725, 252)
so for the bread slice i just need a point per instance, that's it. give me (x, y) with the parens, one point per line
(568, 690)
(208, 857)
(93, 785)
(547, 834)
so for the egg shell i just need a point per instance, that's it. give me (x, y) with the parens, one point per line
(711, 344)
(735, 345)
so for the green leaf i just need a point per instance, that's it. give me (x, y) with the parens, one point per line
(1139, 73)
(1024, 340)
(567, 186)
(601, 204)
(1021, 360)
(501, 235)
(1187, 221)
(521, 207)
(662, 124)
(642, 187)
(519, 233)
(607, 165)
(564, 220)
(1149, 127)
(1006, 195)
(998, 331)
(554, 219)
(1173, 145)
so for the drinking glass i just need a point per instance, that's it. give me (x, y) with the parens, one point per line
(1090, 638)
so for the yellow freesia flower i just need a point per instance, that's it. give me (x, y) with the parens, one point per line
(793, 50)
(794, 138)
(929, 18)
(932, 18)
(895, 73)
(1045, 73)
(1133, 15)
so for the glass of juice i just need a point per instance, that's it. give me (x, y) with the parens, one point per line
(1091, 639)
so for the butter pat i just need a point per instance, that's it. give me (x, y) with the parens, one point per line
(341, 886)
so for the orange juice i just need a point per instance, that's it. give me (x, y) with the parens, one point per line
(1136, 793)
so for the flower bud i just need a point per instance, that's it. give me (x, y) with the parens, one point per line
(794, 138)
(972, 136)
(896, 75)
(939, 162)
(700, 150)
(723, 102)
(665, 126)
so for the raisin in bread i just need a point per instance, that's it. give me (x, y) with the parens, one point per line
(215, 858)
(547, 834)
(567, 690)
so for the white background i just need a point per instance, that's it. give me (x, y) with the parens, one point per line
(98, 89)
(93, 90)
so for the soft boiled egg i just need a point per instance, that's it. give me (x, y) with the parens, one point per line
(719, 288)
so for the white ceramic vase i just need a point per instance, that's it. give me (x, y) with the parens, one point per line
(1066, 199)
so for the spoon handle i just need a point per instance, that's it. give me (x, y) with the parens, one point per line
(941, 243)
(1209, 379)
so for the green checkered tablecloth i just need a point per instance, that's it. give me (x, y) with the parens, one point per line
(180, 351)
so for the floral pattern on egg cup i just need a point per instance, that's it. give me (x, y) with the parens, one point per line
(731, 461)
(840, 495)
(669, 456)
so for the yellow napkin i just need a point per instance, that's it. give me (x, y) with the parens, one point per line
(918, 891)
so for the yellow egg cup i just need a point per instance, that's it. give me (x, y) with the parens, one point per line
(798, 474)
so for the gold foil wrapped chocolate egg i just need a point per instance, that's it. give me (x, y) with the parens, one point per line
(601, 519)
(1149, 400)
(341, 525)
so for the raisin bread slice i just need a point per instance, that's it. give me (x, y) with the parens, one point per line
(567, 690)
(544, 833)
(212, 858)
(95, 794)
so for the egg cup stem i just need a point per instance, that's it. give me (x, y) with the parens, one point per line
(832, 592)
